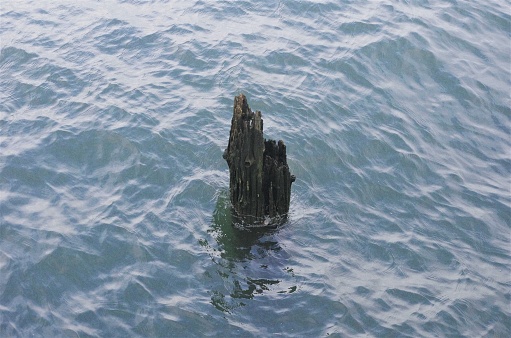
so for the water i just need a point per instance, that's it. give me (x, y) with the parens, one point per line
(114, 213)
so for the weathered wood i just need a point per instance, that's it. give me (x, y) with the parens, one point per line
(260, 181)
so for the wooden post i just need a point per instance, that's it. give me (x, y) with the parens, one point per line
(260, 181)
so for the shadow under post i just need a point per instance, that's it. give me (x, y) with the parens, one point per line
(247, 261)
(234, 238)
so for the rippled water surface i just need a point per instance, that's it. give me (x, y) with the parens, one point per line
(114, 208)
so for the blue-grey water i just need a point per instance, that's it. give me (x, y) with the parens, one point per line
(114, 204)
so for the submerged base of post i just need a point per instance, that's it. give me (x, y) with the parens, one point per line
(260, 181)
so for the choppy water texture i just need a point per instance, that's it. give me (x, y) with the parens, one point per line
(114, 212)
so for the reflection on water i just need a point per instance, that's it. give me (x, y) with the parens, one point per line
(247, 262)
(237, 242)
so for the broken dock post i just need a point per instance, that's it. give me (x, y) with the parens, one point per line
(260, 181)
